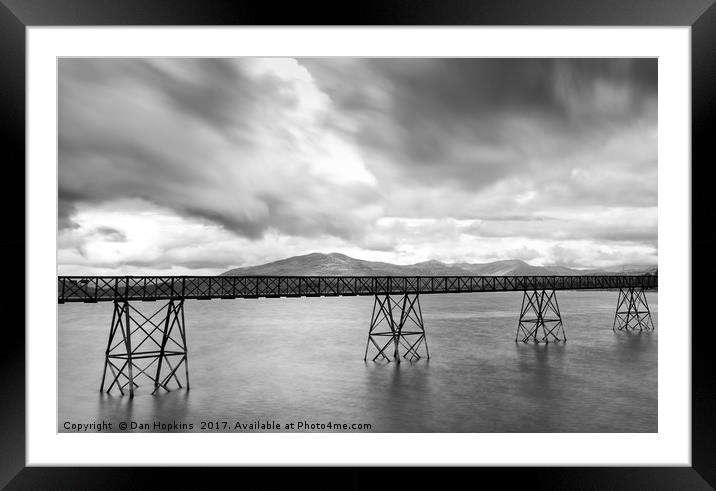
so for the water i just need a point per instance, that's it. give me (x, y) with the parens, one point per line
(295, 360)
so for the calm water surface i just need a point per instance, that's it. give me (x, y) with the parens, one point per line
(291, 360)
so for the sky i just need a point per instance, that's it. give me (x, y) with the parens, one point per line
(199, 165)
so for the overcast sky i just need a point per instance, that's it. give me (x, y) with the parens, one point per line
(194, 166)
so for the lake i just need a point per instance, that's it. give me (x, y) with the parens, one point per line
(301, 360)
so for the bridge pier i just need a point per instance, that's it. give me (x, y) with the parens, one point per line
(137, 342)
(397, 321)
(540, 311)
(632, 311)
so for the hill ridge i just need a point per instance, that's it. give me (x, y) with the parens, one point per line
(337, 264)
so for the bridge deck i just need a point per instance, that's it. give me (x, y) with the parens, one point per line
(110, 288)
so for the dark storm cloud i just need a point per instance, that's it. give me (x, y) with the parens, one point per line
(475, 122)
(214, 90)
(207, 138)
(455, 91)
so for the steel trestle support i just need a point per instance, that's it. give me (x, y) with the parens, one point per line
(397, 321)
(632, 311)
(149, 346)
(540, 319)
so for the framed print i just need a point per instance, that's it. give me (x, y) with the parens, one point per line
(415, 237)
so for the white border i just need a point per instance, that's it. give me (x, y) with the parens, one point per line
(670, 446)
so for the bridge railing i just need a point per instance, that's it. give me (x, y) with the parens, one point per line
(108, 288)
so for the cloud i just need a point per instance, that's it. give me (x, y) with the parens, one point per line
(110, 234)
(254, 159)
(573, 254)
(469, 124)
(228, 141)
(146, 238)
(605, 224)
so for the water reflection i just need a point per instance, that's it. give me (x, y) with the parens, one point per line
(542, 371)
(634, 346)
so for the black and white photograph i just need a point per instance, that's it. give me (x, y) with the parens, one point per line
(357, 245)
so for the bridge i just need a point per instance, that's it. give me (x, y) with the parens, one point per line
(153, 345)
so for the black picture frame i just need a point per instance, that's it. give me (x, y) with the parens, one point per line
(17, 15)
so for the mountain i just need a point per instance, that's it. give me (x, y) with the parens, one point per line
(334, 264)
